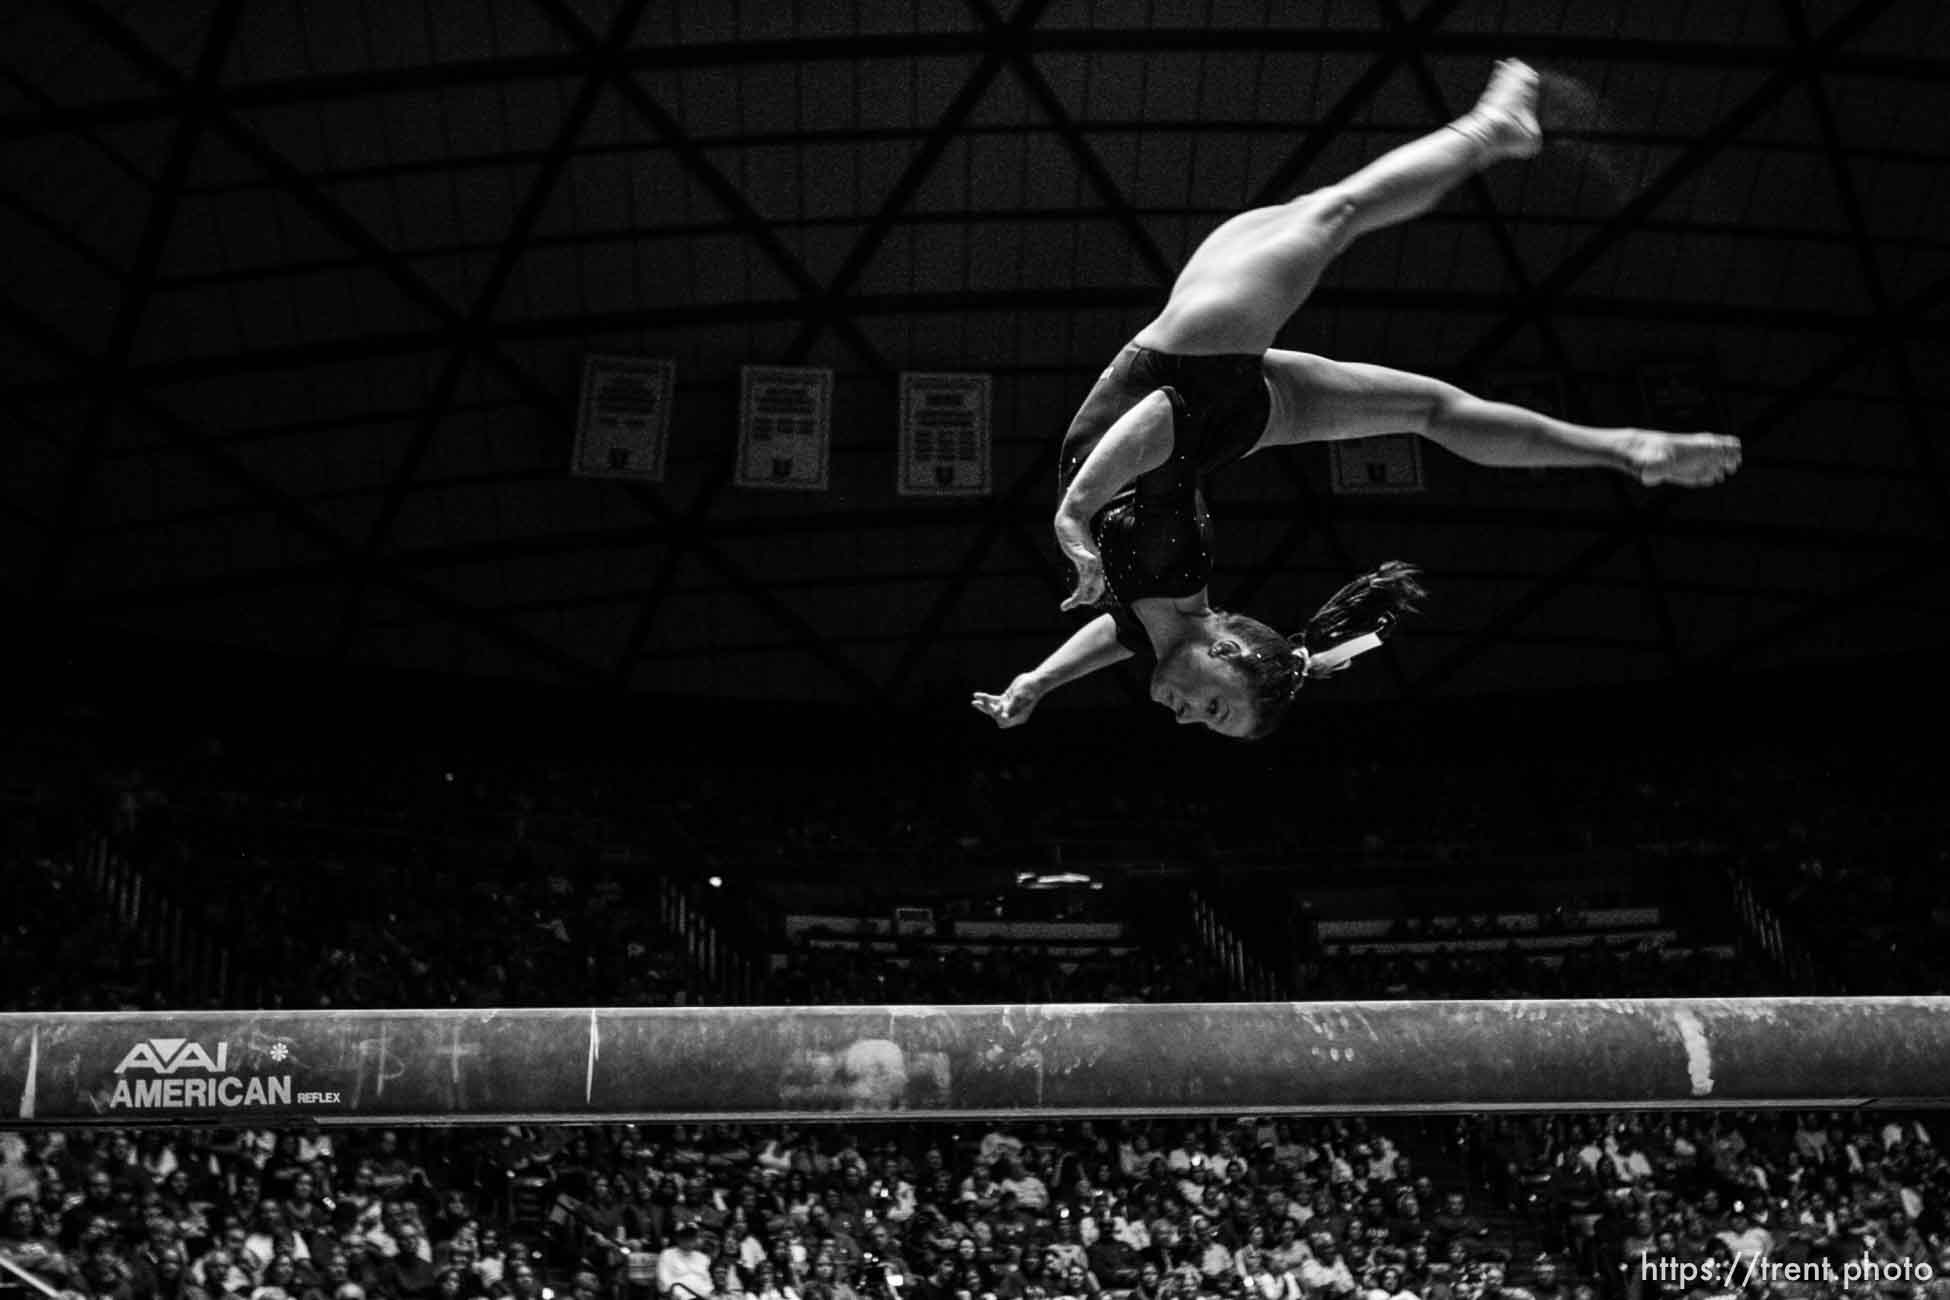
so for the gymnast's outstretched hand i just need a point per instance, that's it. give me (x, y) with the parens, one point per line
(1682, 459)
(1013, 707)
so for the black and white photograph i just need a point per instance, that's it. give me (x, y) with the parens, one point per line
(975, 650)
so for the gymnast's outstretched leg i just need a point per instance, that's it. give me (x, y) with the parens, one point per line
(1318, 399)
(1253, 272)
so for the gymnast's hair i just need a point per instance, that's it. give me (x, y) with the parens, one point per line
(1276, 667)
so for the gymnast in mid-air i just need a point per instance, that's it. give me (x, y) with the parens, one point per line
(1202, 386)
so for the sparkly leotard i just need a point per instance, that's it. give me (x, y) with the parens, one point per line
(1155, 536)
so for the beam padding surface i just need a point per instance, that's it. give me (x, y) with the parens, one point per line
(368, 1067)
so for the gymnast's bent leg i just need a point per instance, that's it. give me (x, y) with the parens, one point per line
(1254, 271)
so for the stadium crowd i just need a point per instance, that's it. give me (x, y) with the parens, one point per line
(1549, 1208)
(494, 890)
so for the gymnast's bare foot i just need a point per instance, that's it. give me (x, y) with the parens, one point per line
(1505, 117)
(1682, 459)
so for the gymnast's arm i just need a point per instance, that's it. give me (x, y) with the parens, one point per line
(1140, 441)
(1090, 647)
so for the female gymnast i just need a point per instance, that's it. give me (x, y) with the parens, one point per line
(1201, 386)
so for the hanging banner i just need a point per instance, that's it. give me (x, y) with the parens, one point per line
(944, 435)
(785, 428)
(623, 422)
(1389, 464)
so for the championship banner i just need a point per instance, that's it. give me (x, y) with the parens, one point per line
(1387, 465)
(944, 435)
(785, 428)
(623, 421)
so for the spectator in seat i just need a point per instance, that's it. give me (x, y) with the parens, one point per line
(1208, 1252)
(280, 1280)
(1252, 1252)
(450, 1283)
(1629, 1161)
(1637, 1252)
(97, 1202)
(1744, 1238)
(1899, 1243)
(303, 1210)
(1009, 1217)
(454, 1214)
(1494, 1286)
(1077, 1284)
(1545, 1284)
(1112, 1260)
(410, 1274)
(1938, 1287)
(285, 1164)
(362, 1260)
(271, 1236)
(463, 1257)
(1007, 1278)
(216, 1278)
(1150, 1284)
(1441, 1283)
(767, 1286)
(1327, 1273)
(17, 1174)
(706, 1205)
(1288, 1252)
(183, 1200)
(391, 1171)
(520, 1281)
(1454, 1222)
(1031, 1192)
(329, 1273)
(682, 1269)
(1388, 1285)
(168, 1278)
(160, 1240)
(846, 1284)
(1067, 1250)
(490, 1257)
(23, 1243)
(1263, 1281)
(242, 1262)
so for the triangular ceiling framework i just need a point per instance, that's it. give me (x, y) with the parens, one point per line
(888, 330)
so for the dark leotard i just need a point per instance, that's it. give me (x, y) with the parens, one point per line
(1155, 536)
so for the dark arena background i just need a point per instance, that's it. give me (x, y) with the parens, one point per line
(507, 504)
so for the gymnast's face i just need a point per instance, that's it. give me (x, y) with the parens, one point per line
(1201, 686)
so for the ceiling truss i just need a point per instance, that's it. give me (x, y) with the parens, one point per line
(1002, 44)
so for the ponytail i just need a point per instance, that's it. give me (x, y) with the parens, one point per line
(1353, 621)
(1370, 605)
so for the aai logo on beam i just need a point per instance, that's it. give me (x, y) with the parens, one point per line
(167, 1056)
(147, 1079)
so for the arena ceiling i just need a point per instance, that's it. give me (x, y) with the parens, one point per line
(297, 293)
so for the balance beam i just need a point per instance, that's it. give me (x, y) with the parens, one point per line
(893, 1062)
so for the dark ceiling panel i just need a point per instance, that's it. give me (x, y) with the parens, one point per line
(1909, 26)
(729, 202)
